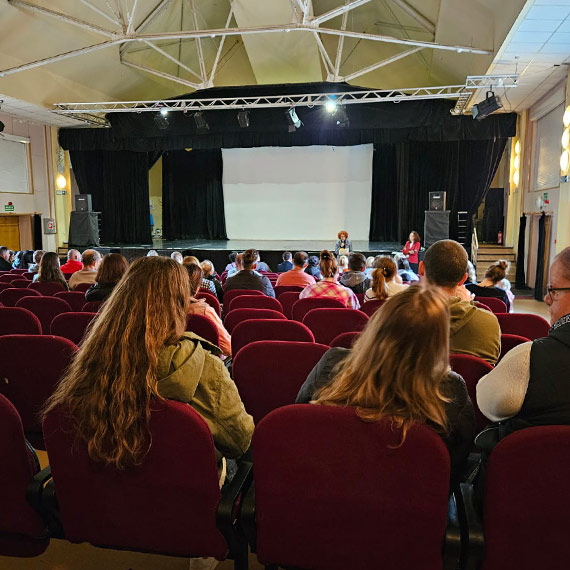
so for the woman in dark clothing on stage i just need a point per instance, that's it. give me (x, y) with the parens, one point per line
(112, 268)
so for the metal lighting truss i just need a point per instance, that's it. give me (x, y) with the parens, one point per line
(476, 82)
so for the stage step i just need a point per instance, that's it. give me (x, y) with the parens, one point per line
(489, 253)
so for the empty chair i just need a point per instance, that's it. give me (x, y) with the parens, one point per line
(229, 295)
(83, 287)
(45, 308)
(529, 326)
(212, 300)
(471, 368)
(92, 306)
(16, 320)
(345, 340)
(204, 327)
(8, 277)
(9, 297)
(327, 324)
(22, 531)
(239, 315)
(316, 507)
(496, 305)
(370, 307)
(48, 288)
(28, 387)
(253, 330)
(303, 306)
(509, 341)
(72, 326)
(287, 288)
(269, 373)
(76, 299)
(20, 283)
(287, 300)
(254, 302)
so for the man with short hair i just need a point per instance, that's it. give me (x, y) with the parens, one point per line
(472, 330)
(286, 264)
(73, 262)
(297, 275)
(355, 278)
(5, 264)
(91, 259)
(248, 278)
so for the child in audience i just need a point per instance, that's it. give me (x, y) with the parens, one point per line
(49, 271)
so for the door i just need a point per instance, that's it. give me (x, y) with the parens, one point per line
(10, 232)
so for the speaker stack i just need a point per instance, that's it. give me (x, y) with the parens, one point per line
(436, 221)
(83, 224)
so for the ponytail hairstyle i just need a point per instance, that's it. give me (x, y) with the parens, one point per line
(384, 272)
(497, 271)
(328, 264)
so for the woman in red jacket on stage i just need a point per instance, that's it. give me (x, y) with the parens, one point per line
(411, 250)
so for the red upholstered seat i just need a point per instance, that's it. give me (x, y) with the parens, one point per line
(212, 300)
(232, 293)
(204, 327)
(509, 341)
(72, 326)
(254, 302)
(471, 369)
(8, 277)
(4, 286)
(29, 275)
(20, 283)
(253, 330)
(529, 326)
(28, 386)
(9, 297)
(16, 320)
(45, 308)
(21, 528)
(83, 287)
(279, 289)
(345, 340)
(482, 306)
(239, 315)
(303, 306)
(48, 288)
(370, 307)
(327, 324)
(496, 305)
(76, 299)
(92, 306)
(334, 492)
(269, 373)
(287, 300)
(19, 271)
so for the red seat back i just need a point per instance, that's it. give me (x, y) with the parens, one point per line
(9, 297)
(21, 528)
(310, 482)
(75, 299)
(496, 305)
(269, 373)
(482, 306)
(72, 326)
(529, 326)
(20, 283)
(212, 300)
(232, 293)
(287, 300)
(19, 271)
(166, 504)
(303, 306)
(204, 327)
(345, 340)
(16, 320)
(370, 307)
(279, 289)
(45, 308)
(92, 306)
(28, 275)
(509, 341)
(253, 330)
(255, 302)
(83, 287)
(239, 315)
(327, 324)
(48, 288)
(8, 277)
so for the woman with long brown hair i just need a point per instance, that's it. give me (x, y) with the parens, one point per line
(384, 283)
(111, 269)
(137, 351)
(49, 270)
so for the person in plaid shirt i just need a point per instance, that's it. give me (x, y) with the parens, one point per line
(328, 286)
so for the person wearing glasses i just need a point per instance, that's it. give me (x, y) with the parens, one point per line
(530, 386)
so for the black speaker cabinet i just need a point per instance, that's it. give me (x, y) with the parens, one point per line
(83, 229)
(437, 201)
(436, 227)
(83, 203)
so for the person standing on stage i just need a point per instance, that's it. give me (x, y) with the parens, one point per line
(343, 245)
(411, 250)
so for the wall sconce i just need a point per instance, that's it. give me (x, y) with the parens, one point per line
(517, 164)
(61, 182)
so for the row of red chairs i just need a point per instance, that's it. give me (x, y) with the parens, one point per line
(43, 288)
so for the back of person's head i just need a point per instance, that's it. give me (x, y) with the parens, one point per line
(497, 271)
(109, 398)
(286, 256)
(471, 273)
(328, 264)
(90, 257)
(49, 269)
(313, 261)
(382, 275)
(232, 256)
(177, 256)
(4, 251)
(195, 275)
(73, 255)
(249, 258)
(396, 371)
(300, 258)
(207, 267)
(189, 259)
(38, 254)
(356, 262)
(445, 263)
(343, 262)
(369, 261)
(239, 261)
(113, 266)
(152, 253)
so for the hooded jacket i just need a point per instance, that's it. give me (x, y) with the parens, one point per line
(355, 280)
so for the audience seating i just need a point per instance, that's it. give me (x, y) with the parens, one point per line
(20, 283)
(472, 368)
(170, 504)
(287, 300)
(76, 299)
(360, 297)
(9, 297)
(269, 373)
(28, 387)
(45, 308)
(327, 324)
(345, 340)
(67, 276)
(529, 326)
(303, 306)
(239, 315)
(5, 286)
(92, 306)
(335, 492)
(212, 300)
(509, 341)
(8, 277)
(254, 302)
(496, 305)
(16, 320)
(19, 271)
(480, 305)
(250, 331)
(204, 327)
(83, 287)
(370, 307)
(29, 275)
(72, 326)
(48, 288)
(287, 288)
(21, 528)
(229, 295)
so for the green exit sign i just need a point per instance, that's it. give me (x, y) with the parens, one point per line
(9, 208)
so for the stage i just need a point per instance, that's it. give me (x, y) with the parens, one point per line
(218, 251)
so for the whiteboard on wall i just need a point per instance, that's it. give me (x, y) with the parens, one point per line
(312, 192)
(14, 166)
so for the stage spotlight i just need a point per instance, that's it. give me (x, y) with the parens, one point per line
(164, 112)
(342, 118)
(330, 106)
(200, 120)
(161, 121)
(489, 105)
(292, 119)
(243, 119)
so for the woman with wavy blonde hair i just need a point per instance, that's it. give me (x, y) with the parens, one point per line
(137, 351)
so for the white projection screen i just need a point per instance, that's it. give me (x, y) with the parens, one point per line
(312, 192)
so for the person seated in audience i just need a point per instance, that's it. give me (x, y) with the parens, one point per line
(369, 268)
(5, 264)
(297, 275)
(473, 331)
(232, 264)
(505, 285)
(401, 373)
(342, 264)
(405, 273)
(238, 266)
(49, 271)
(471, 273)
(383, 281)
(488, 287)
(343, 244)
(328, 287)
(112, 268)
(262, 266)
(137, 352)
(210, 274)
(177, 256)
(152, 253)
(91, 259)
(23, 259)
(200, 307)
(73, 262)
(313, 267)
(355, 278)
(206, 283)
(286, 264)
(37, 257)
(248, 278)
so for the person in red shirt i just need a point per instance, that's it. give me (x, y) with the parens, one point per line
(297, 275)
(411, 250)
(73, 263)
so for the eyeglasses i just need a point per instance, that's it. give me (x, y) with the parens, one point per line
(550, 289)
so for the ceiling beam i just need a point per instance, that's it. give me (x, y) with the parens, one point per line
(416, 15)
(329, 66)
(201, 61)
(220, 47)
(132, 17)
(382, 63)
(101, 12)
(318, 20)
(171, 58)
(340, 44)
(162, 74)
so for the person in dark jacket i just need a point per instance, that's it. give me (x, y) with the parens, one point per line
(355, 278)
(248, 278)
(111, 270)
(488, 287)
(313, 267)
(5, 264)
(391, 365)
(287, 264)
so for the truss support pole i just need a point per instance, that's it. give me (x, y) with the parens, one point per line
(220, 48)
(417, 16)
(325, 56)
(171, 58)
(199, 45)
(382, 63)
(340, 44)
(162, 74)
(318, 20)
(101, 12)
(132, 18)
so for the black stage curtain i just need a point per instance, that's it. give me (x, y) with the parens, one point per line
(37, 232)
(192, 195)
(383, 221)
(520, 282)
(538, 291)
(118, 184)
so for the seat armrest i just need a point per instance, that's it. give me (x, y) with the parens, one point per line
(452, 545)
(247, 518)
(35, 489)
(472, 536)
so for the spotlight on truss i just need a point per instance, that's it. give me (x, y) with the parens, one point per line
(243, 119)
(293, 120)
(200, 120)
(164, 112)
(161, 121)
(489, 105)
(330, 106)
